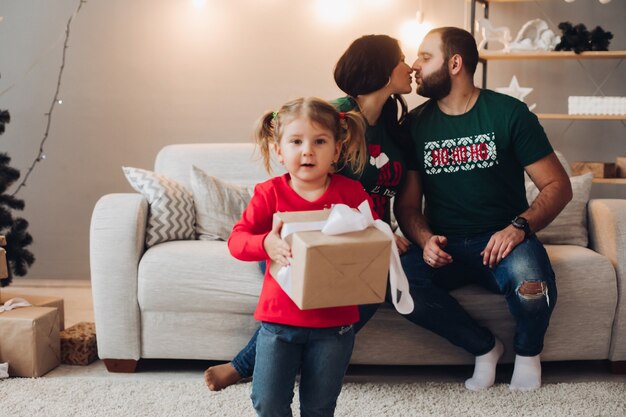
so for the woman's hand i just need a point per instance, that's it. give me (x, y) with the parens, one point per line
(277, 249)
(402, 243)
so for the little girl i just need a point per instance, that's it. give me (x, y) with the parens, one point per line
(312, 140)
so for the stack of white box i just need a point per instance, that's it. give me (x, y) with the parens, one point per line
(593, 105)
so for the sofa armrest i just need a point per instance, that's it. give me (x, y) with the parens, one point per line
(117, 235)
(607, 236)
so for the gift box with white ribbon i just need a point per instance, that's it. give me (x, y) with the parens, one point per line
(39, 301)
(339, 257)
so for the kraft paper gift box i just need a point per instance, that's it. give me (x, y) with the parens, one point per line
(29, 340)
(333, 271)
(78, 344)
(4, 271)
(40, 301)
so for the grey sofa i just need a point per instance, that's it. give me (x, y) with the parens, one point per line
(192, 300)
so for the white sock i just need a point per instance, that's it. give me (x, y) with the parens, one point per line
(527, 373)
(485, 369)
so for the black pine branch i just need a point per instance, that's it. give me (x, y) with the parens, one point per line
(19, 258)
(8, 175)
(6, 219)
(12, 202)
(15, 230)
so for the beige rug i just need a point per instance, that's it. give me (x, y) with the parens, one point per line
(95, 395)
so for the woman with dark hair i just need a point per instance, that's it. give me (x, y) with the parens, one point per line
(373, 74)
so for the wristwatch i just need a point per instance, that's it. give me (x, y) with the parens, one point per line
(521, 223)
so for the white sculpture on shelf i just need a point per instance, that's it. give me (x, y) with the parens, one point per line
(514, 90)
(490, 34)
(535, 36)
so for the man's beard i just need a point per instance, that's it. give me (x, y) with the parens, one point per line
(437, 85)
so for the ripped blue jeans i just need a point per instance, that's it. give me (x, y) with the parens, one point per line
(524, 277)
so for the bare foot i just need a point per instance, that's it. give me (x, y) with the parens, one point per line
(221, 376)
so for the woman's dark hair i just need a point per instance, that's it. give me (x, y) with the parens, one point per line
(367, 64)
(365, 67)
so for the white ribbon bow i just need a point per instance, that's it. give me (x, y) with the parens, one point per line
(14, 303)
(343, 219)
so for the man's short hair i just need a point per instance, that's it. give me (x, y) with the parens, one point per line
(458, 41)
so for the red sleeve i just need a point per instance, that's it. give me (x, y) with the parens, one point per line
(246, 240)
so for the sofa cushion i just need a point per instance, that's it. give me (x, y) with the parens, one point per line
(171, 215)
(570, 226)
(197, 276)
(234, 162)
(219, 204)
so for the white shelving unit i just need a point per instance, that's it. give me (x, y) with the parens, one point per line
(485, 56)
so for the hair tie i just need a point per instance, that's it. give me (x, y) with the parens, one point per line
(274, 114)
(342, 115)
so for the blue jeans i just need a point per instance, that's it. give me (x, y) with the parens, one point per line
(527, 263)
(321, 355)
(436, 310)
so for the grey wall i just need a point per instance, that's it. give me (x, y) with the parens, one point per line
(143, 74)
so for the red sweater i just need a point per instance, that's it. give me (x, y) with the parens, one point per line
(246, 243)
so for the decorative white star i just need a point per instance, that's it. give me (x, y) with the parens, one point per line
(514, 90)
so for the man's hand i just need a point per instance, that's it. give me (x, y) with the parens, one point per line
(433, 252)
(402, 243)
(277, 249)
(501, 244)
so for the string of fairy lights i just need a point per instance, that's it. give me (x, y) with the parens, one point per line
(55, 101)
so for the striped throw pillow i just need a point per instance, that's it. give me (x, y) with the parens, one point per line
(172, 215)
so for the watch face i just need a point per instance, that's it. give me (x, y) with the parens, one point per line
(521, 223)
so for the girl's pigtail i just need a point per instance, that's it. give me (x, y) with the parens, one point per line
(264, 136)
(354, 150)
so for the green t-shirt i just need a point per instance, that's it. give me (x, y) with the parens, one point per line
(472, 165)
(386, 164)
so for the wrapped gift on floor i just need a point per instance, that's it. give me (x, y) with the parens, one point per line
(39, 301)
(78, 344)
(4, 271)
(332, 270)
(29, 340)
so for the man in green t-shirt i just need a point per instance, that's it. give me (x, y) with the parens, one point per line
(472, 148)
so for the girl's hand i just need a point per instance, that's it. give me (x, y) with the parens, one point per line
(277, 249)
(402, 243)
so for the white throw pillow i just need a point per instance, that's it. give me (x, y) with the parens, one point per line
(570, 226)
(172, 215)
(219, 204)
